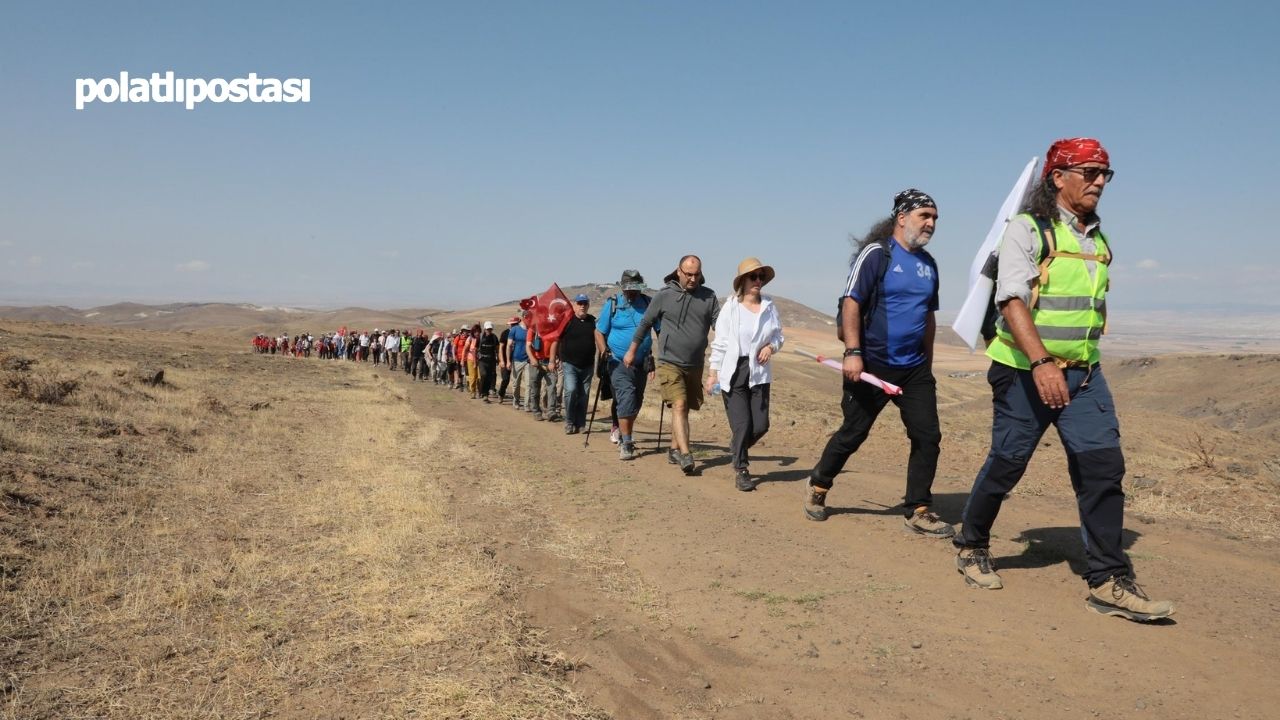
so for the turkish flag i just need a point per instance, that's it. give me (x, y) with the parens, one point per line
(551, 313)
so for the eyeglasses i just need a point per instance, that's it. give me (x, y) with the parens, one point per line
(758, 275)
(1090, 174)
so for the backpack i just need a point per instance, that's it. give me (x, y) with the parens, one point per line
(616, 299)
(868, 308)
(1048, 251)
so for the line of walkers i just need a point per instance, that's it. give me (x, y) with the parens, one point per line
(1048, 313)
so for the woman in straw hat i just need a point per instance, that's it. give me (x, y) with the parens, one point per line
(748, 333)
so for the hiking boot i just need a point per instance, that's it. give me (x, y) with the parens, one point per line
(555, 417)
(977, 568)
(1122, 597)
(569, 429)
(815, 503)
(626, 450)
(673, 456)
(742, 480)
(537, 415)
(686, 463)
(615, 435)
(923, 522)
(487, 401)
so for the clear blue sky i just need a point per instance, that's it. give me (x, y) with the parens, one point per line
(455, 155)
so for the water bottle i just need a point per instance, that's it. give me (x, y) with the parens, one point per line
(715, 390)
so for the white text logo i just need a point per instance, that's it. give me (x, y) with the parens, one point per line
(191, 91)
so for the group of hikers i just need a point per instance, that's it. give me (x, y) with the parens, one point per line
(1048, 313)
(390, 347)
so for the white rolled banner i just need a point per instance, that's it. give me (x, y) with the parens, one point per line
(968, 322)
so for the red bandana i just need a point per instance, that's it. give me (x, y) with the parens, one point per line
(1073, 151)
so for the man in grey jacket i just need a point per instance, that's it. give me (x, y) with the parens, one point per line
(687, 310)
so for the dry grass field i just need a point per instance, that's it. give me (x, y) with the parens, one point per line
(240, 542)
(258, 536)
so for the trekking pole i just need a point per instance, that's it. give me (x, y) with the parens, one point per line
(662, 407)
(592, 421)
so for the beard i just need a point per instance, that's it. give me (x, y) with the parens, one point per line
(917, 240)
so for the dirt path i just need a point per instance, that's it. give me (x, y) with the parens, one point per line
(684, 598)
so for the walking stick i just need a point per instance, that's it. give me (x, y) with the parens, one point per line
(662, 407)
(594, 405)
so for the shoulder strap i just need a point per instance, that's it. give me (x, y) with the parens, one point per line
(1048, 251)
(886, 256)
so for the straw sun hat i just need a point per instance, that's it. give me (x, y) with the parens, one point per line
(747, 266)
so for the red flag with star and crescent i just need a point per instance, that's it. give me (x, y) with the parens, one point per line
(551, 313)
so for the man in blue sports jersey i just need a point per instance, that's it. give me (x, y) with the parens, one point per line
(887, 324)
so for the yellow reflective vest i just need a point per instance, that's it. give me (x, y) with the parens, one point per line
(1070, 311)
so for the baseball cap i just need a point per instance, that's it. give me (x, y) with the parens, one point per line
(488, 325)
(514, 321)
(581, 298)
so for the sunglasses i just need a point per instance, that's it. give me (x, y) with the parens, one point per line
(1090, 174)
(757, 275)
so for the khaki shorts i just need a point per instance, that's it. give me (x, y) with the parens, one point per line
(679, 383)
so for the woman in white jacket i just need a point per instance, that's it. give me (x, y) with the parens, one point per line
(748, 333)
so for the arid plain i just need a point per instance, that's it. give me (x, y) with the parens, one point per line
(257, 536)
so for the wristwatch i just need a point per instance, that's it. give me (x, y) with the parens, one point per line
(853, 352)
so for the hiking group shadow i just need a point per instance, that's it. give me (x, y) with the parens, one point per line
(946, 505)
(1054, 545)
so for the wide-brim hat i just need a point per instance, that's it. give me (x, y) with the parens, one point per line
(750, 265)
(632, 280)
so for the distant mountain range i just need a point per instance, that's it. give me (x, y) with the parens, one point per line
(248, 318)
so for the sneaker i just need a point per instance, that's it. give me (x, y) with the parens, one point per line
(977, 568)
(686, 463)
(626, 450)
(742, 480)
(487, 401)
(923, 522)
(815, 503)
(615, 435)
(570, 429)
(1122, 597)
(538, 416)
(673, 456)
(555, 417)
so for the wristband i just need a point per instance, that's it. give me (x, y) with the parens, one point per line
(1042, 361)
(853, 352)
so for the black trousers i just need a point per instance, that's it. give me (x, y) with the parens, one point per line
(918, 406)
(488, 373)
(506, 380)
(748, 411)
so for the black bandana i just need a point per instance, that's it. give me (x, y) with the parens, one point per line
(911, 199)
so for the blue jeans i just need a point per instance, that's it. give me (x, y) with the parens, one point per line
(1090, 434)
(577, 388)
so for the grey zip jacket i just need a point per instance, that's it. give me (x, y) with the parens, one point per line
(686, 319)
